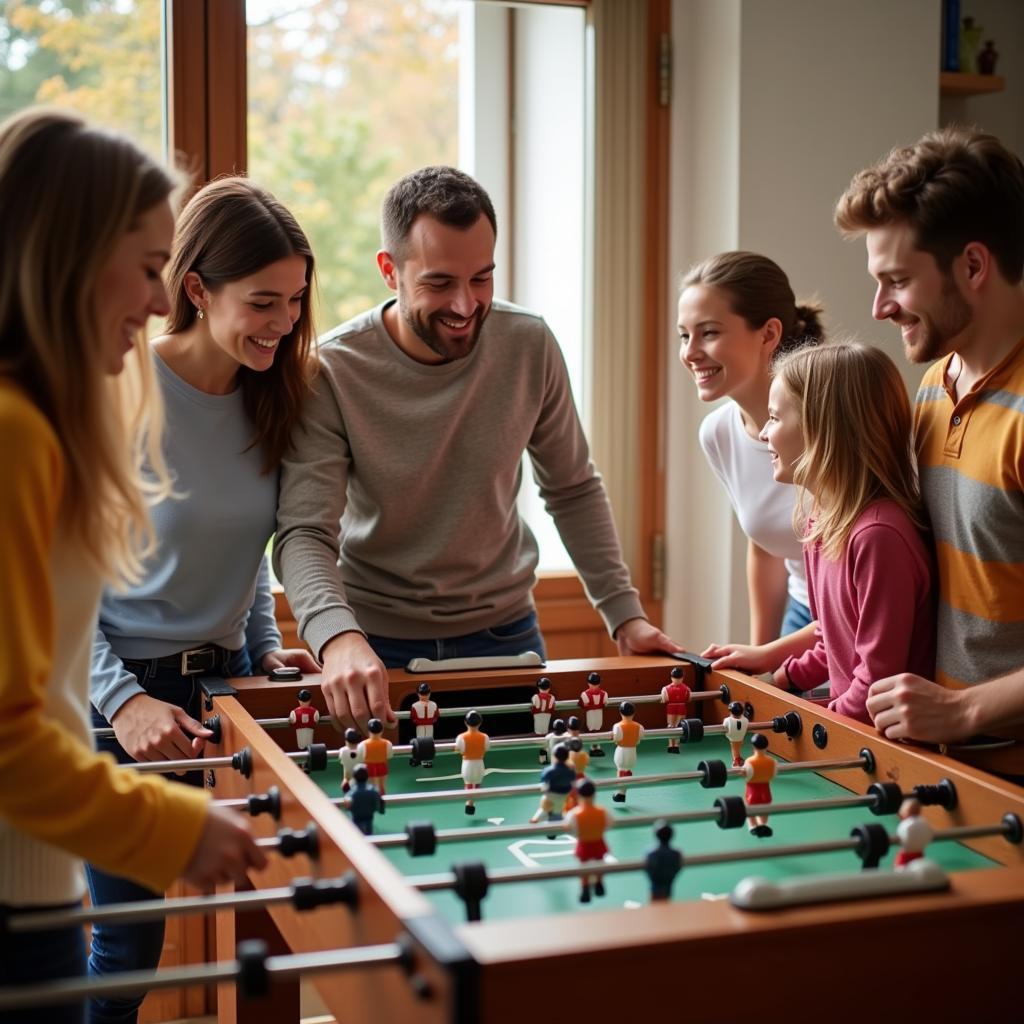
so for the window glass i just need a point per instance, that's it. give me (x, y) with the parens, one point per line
(103, 58)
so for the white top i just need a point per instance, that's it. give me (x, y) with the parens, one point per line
(763, 507)
(915, 833)
(735, 728)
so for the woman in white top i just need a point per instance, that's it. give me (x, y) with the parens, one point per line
(737, 311)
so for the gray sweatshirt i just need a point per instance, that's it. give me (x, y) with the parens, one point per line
(421, 465)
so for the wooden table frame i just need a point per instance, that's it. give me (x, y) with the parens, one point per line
(949, 955)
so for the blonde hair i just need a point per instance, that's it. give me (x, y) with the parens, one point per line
(69, 191)
(856, 423)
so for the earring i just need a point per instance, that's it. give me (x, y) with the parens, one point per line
(200, 314)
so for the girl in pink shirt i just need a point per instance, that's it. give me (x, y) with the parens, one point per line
(839, 427)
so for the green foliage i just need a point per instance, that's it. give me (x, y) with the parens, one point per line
(344, 97)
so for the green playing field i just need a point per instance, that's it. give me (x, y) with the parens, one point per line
(516, 767)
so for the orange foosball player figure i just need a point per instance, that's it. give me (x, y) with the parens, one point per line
(588, 823)
(675, 696)
(759, 769)
(627, 734)
(375, 753)
(472, 745)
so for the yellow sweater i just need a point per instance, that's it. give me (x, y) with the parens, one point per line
(59, 800)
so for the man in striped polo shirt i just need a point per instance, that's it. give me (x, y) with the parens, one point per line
(944, 225)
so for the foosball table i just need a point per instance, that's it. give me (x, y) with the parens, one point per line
(445, 916)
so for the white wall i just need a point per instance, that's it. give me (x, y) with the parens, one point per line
(776, 105)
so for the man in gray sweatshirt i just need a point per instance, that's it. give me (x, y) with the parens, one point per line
(413, 442)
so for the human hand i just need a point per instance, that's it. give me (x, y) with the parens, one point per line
(226, 849)
(296, 657)
(745, 657)
(638, 636)
(910, 707)
(354, 683)
(153, 730)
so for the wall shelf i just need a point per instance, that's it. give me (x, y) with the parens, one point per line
(961, 83)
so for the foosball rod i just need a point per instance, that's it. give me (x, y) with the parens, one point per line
(503, 743)
(728, 812)
(253, 969)
(496, 709)
(710, 774)
(303, 894)
(1009, 828)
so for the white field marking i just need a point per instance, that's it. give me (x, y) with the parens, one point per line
(564, 846)
(632, 905)
(487, 771)
(496, 821)
(711, 896)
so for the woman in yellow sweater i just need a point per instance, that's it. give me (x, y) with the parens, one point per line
(85, 232)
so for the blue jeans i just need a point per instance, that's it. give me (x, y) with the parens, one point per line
(796, 617)
(511, 638)
(135, 947)
(31, 958)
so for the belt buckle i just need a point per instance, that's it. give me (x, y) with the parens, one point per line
(189, 668)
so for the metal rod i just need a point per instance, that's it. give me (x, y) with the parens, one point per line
(132, 982)
(495, 709)
(394, 839)
(148, 910)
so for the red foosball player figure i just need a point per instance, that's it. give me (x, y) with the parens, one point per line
(735, 727)
(759, 769)
(675, 696)
(472, 745)
(627, 734)
(913, 832)
(588, 823)
(375, 753)
(424, 715)
(593, 700)
(348, 755)
(542, 704)
(304, 718)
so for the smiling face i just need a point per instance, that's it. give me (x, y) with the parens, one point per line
(914, 293)
(726, 356)
(783, 433)
(445, 285)
(247, 319)
(129, 286)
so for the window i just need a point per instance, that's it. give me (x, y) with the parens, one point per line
(104, 58)
(344, 98)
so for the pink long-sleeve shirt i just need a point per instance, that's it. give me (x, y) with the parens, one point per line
(875, 607)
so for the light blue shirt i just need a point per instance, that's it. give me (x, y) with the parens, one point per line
(208, 582)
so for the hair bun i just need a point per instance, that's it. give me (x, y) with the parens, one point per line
(808, 325)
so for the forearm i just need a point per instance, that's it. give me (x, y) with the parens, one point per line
(261, 633)
(998, 703)
(767, 587)
(111, 685)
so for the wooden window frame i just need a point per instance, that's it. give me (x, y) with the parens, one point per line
(207, 131)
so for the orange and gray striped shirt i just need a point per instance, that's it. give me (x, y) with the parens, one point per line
(971, 460)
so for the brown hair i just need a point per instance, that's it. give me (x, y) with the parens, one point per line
(69, 192)
(758, 290)
(232, 228)
(444, 193)
(856, 422)
(953, 187)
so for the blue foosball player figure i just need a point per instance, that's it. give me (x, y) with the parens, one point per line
(363, 801)
(662, 863)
